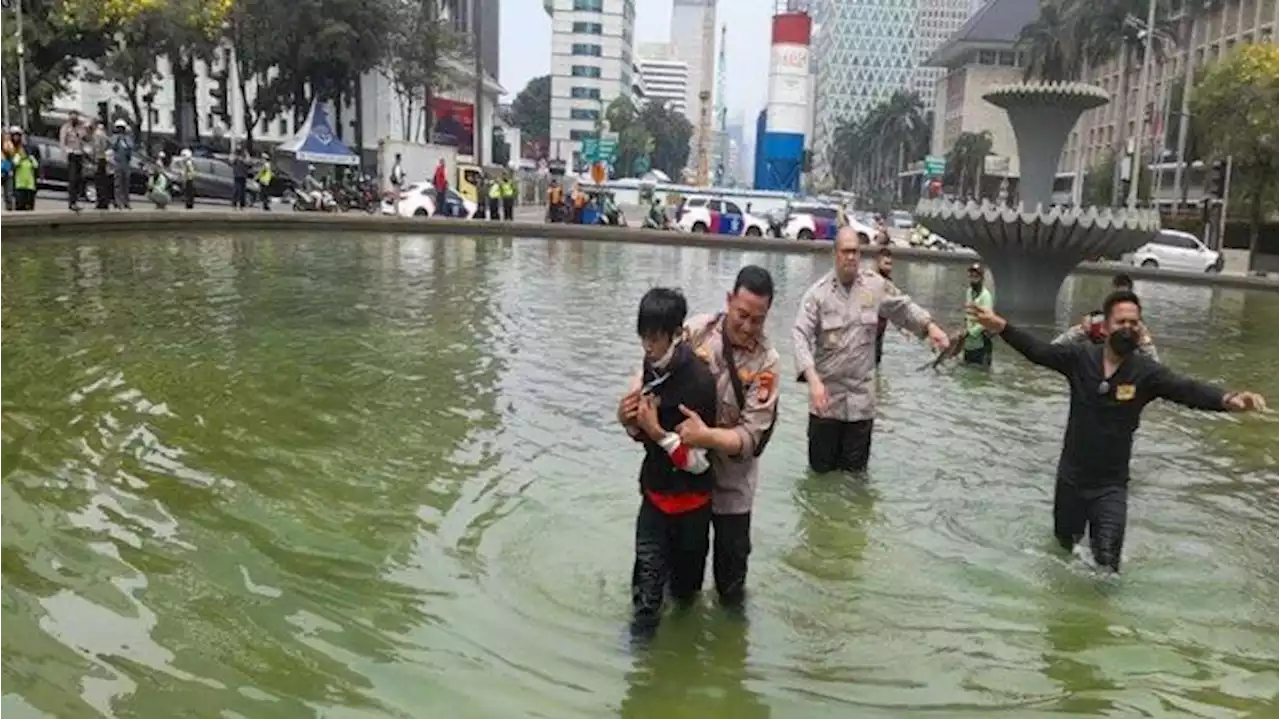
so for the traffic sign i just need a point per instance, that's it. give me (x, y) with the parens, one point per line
(597, 149)
(934, 166)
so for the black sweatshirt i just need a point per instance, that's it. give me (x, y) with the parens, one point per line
(690, 383)
(1105, 411)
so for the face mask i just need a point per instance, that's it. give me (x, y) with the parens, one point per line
(1123, 342)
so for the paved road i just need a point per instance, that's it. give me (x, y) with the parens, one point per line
(55, 202)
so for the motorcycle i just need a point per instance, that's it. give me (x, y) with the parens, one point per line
(362, 195)
(314, 201)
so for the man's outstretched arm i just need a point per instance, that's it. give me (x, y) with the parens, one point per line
(1059, 357)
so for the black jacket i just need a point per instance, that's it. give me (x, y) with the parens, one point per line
(690, 383)
(1105, 411)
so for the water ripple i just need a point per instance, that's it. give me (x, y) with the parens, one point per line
(361, 475)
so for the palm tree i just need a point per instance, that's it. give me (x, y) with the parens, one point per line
(1050, 43)
(966, 159)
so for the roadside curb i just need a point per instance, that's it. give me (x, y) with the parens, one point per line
(29, 227)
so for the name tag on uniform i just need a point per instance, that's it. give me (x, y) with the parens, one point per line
(1125, 392)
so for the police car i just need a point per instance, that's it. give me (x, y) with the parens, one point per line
(720, 217)
(821, 222)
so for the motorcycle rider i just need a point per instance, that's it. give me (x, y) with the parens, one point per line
(312, 189)
(657, 218)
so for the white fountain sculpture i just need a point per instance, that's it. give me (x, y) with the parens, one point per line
(1031, 250)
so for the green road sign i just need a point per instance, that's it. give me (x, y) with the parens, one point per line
(934, 166)
(599, 149)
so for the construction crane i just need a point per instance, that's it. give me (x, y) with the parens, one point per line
(722, 112)
(702, 149)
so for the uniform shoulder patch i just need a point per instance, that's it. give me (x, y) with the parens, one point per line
(765, 384)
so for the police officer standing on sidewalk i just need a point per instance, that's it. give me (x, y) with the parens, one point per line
(745, 367)
(835, 340)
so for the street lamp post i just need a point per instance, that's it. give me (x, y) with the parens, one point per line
(1143, 78)
(22, 70)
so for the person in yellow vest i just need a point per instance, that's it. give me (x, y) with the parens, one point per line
(495, 200)
(264, 177)
(24, 173)
(508, 198)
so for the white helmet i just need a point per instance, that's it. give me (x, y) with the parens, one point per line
(121, 125)
(186, 152)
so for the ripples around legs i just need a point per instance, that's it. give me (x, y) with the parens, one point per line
(359, 476)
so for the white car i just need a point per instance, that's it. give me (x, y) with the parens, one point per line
(821, 222)
(419, 200)
(1175, 250)
(720, 217)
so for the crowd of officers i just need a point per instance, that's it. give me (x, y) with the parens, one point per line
(705, 402)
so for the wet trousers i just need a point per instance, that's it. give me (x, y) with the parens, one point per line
(838, 445)
(729, 553)
(980, 356)
(1103, 511)
(671, 552)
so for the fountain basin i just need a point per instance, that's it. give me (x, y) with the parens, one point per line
(1031, 253)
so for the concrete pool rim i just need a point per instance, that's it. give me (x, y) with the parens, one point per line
(29, 227)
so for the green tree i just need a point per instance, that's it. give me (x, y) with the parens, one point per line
(671, 132)
(420, 47)
(634, 139)
(965, 161)
(54, 40)
(531, 109)
(251, 33)
(1239, 98)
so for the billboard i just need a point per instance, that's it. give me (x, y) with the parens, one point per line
(453, 124)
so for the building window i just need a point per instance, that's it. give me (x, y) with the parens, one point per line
(284, 127)
(584, 48)
(590, 5)
(588, 28)
(585, 71)
(578, 113)
(580, 135)
(584, 93)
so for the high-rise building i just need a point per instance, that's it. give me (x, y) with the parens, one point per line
(865, 50)
(591, 64)
(689, 40)
(666, 78)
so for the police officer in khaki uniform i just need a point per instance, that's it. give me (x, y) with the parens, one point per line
(746, 371)
(835, 353)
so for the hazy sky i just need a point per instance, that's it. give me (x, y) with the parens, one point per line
(526, 46)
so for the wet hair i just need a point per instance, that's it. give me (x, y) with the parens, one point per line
(756, 280)
(1122, 281)
(884, 251)
(1120, 297)
(662, 312)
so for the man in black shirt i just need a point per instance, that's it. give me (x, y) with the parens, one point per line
(676, 479)
(1110, 386)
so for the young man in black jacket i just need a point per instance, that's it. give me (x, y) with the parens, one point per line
(1110, 385)
(675, 479)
